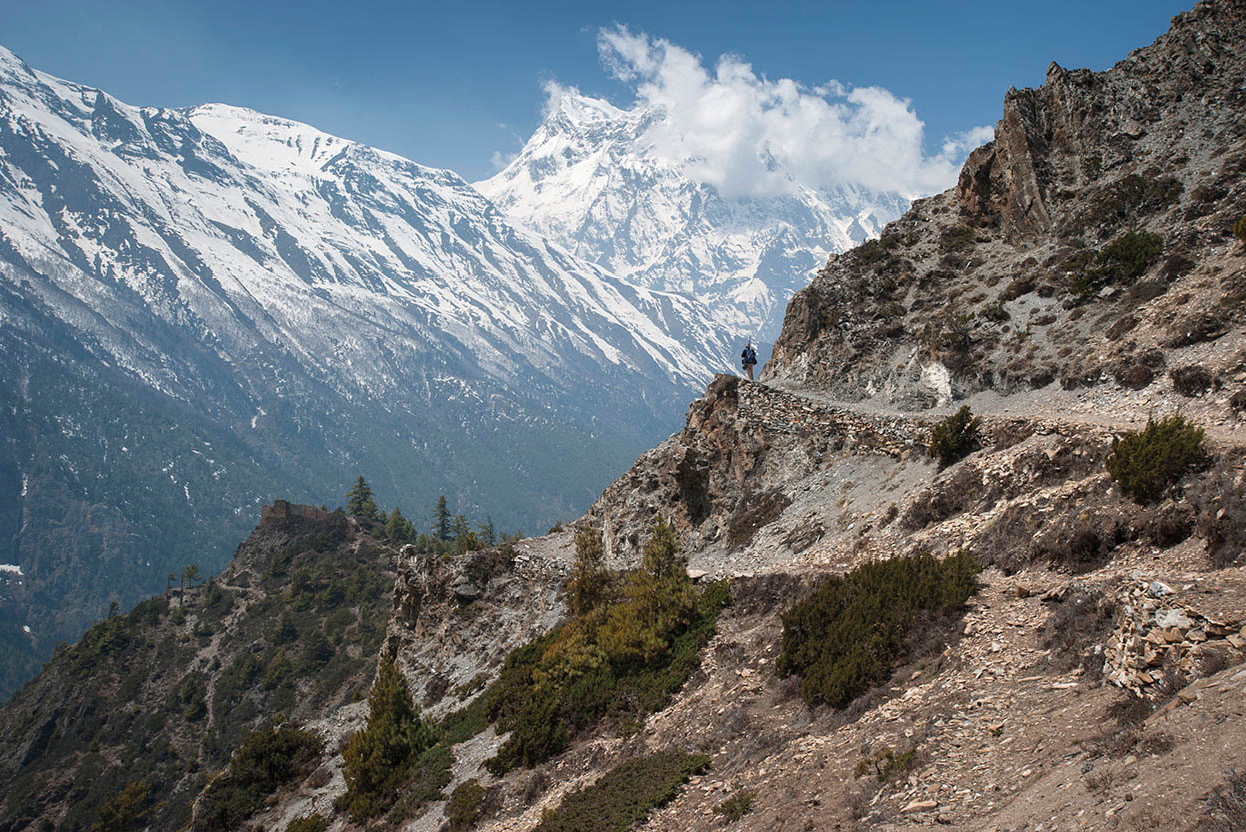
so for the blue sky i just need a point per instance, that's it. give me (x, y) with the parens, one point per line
(452, 84)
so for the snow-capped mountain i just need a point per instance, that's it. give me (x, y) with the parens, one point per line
(203, 309)
(589, 179)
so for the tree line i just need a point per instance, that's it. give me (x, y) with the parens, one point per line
(448, 532)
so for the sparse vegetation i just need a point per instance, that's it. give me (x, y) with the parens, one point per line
(625, 795)
(845, 637)
(464, 806)
(1239, 229)
(955, 437)
(266, 761)
(1146, 463)
(622, 659)
(309, 823)
(737, 806)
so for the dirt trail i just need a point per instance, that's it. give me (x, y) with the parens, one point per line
(1108, 411)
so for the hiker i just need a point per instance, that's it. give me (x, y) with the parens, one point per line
(749, 359)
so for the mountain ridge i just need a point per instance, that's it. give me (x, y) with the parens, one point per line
(304, 305)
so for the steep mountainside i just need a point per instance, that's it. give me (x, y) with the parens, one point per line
(588, 178)
(165, 693)
(1042, 626)
(1090, 242)
(204, 309)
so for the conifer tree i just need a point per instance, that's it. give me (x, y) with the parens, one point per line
(359, 501)
(589, 579)
(459, 528)
(660, 601)
(441, 520)
(487, 533)
(379, 757)
(399, 528)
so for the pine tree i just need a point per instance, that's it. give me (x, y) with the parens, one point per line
(441, 520)
(359, 501)
(459, 528)
(487, 533)
(379, 757)
(399, 528)
(589, 579)
(660, 601)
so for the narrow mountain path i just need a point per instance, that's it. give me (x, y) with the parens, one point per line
(1094, 410)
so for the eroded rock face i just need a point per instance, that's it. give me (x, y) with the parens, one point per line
(456, 619)
(725, 473)
(999, 279)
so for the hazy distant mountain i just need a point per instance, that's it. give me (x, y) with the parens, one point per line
(203, 309)
(588, 179)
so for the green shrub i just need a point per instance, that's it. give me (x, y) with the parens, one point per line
(1133, 196)
(957, 238)
(464, 805)
(955, 437)
(425, 782)
(1239, 229)
(844, 638)
(1120, 262)
(887, 764)
(1146, 463)
(309, 823)
(266, 761)
(625, 795)
(736, 806)
(1129, 256)
(621, 660)
(379, 758)
(124, 809)
(873, 252)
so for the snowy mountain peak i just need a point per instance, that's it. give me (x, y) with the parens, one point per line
(573, 109)
(267, 142)
(589, 178)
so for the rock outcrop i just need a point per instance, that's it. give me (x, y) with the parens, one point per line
(1007, 282)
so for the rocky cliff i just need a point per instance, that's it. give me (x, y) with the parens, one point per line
(1032, 272)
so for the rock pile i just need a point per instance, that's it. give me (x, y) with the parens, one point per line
(1159, 635)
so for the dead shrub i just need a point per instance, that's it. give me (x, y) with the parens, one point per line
(1080, 622)
(1170, 524)
(1192, 380)
(1083, 543)
(1221, 497)
(945, 499)
(1133, 376)
(1199, 328)
(754, 512)
(1225, 807)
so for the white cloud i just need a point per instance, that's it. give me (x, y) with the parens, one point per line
(750, 136)
(500, 160)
